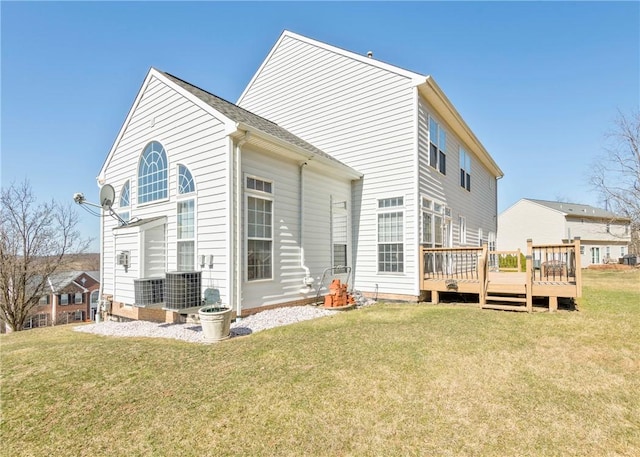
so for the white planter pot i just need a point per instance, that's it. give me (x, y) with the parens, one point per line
(216, 323)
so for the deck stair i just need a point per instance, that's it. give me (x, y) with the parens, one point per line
(551, 271)
(506, 301)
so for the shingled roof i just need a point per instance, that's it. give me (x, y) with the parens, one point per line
(577, 209)
(241, 115)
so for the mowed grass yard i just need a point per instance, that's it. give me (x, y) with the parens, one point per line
(387, 380)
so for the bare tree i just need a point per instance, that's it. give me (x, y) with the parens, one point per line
(35, 241)
(616, 175)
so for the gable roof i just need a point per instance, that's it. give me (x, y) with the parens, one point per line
(243, 116)
(425, 84)
(578, 210)
(238, 118)
(62, 279)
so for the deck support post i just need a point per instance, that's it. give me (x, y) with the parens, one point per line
(578, 266)
(528, 279)
(553, 304)
(435, 297)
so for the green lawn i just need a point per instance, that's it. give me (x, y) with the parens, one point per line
(387, 380)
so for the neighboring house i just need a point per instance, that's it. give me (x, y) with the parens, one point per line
(367, 162)
(604, 237)
(73, 296)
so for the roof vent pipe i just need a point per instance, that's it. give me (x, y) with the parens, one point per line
(370, 54)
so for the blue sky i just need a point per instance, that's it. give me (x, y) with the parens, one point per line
(540, 83)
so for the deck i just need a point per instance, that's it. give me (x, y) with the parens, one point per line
(497, 277)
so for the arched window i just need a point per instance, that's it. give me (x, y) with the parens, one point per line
(124, 202)
(185, 180)
(152, 173)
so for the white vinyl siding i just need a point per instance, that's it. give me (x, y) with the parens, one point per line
(320, 189)
(361, 114)
(479, 207)
(190, 136)
(526, 220)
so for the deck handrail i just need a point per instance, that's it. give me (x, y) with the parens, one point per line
(556, 262)
(452, 263)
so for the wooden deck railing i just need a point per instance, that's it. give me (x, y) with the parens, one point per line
(452, 263)
(551, 270)
(555, 262)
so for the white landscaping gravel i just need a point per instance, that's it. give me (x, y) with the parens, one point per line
(192, 333)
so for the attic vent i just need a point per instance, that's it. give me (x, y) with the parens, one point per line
(370, 54)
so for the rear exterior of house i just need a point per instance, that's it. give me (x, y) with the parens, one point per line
(427, 178)
(329, 159)
(214, 197)
(604, 236)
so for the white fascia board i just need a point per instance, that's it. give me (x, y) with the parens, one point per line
(287, 149)
(430, 90)
(546, 207)
(343, 52)
(138, 227)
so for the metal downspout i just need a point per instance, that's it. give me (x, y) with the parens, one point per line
(308, 280)
(237, 261)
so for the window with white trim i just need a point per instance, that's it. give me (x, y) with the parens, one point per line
(44, 300)
(433, 229)
(391, 235)
(185, 247)
(462, 225)
(152, 173)
(77, 298)
(480, 235)
(437, 146)
(259, 217)
(465, 170)
(339, 233)
(125, 201)
(63, 299)
(622, 251)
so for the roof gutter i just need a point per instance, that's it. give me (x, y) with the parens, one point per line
(299, 151)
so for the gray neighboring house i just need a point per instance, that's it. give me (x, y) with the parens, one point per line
(605, 237)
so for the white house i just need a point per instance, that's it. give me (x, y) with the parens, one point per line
(427, 178)
(604, 237)
(329, 158)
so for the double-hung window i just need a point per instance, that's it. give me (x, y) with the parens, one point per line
(391, 235)
(465, 170)
(433, 228)
(437, 146)
(77, 298)
(259, 217)
(186, 256)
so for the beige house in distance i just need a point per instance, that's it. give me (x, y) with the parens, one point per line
(605, 237)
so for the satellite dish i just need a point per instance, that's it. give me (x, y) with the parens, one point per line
(107, 195)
